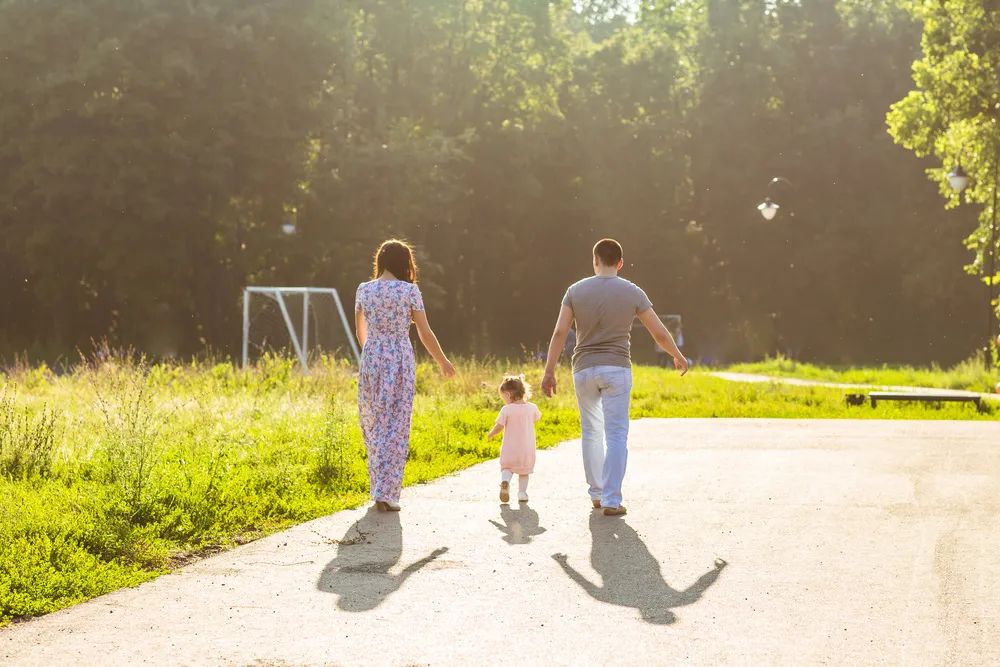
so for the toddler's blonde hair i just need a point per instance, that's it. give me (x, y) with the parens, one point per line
(517, 387)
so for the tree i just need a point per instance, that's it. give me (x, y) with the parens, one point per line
(149, 152)
(954, 111)
(146, 146)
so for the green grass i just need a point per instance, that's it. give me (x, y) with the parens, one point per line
(117, 472)
(969, 374)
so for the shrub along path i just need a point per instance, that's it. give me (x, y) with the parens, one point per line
(747, 541)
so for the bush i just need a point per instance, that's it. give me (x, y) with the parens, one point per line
(27, 440)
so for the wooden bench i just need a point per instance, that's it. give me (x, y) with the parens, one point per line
(922, 396)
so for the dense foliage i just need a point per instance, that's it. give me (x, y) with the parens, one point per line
(150, 151)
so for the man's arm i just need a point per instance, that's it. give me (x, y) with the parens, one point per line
(662, 336)
(585, 584)
(556, 344)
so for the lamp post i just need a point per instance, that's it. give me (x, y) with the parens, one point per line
(769, 208)
(959, 180)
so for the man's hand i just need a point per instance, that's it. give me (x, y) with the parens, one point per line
(549, 384)
(681, 364)
(556, 345)
(663, 338)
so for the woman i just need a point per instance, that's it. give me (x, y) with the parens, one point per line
(383, 309)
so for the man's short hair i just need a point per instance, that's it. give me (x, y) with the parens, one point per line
(608, 252)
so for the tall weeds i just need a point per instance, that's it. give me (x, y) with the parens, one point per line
(27, 440)
(331, 461)
(131, 434)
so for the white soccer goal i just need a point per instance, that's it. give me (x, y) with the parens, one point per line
(301, 320)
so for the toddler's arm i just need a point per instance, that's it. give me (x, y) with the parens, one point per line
(498, 426)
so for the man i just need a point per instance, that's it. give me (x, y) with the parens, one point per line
(604, 307)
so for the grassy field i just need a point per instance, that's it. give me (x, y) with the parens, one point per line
(117, 472)
(970, 374)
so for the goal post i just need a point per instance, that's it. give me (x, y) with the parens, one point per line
(654, 353)
(297, 329)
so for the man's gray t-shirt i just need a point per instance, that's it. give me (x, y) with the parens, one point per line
(604, 308)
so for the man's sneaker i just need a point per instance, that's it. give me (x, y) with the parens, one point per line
(505, 492)
(596, 504)
(615, 511)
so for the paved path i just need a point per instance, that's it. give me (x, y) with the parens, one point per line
(751, 377)
(848, 542)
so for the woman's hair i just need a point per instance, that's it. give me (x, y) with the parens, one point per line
(396, 257)
(516, 386)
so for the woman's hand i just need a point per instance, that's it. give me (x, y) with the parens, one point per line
(431, 343)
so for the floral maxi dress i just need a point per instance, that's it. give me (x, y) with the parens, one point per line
(387, 381)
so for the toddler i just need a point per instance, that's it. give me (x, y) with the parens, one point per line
(517, 422)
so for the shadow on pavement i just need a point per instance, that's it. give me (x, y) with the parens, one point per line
(630, 575)
(360, 572)
(519, 525)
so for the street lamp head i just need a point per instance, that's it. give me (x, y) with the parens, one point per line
(958, 179)
(768, 209)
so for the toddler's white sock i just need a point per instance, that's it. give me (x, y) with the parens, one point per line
(506, 475)
(522, 484)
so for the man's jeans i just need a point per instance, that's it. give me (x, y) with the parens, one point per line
(603, 395)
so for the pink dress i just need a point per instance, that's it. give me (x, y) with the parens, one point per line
(517, 453)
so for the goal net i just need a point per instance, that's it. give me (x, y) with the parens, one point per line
(653, 353)
(306, 322)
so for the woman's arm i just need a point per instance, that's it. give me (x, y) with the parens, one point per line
(361, 326)
(431, 343)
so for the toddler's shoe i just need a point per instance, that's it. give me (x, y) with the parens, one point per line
(614, 511)
(522, 497)
(596, 504)
(505, 492)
